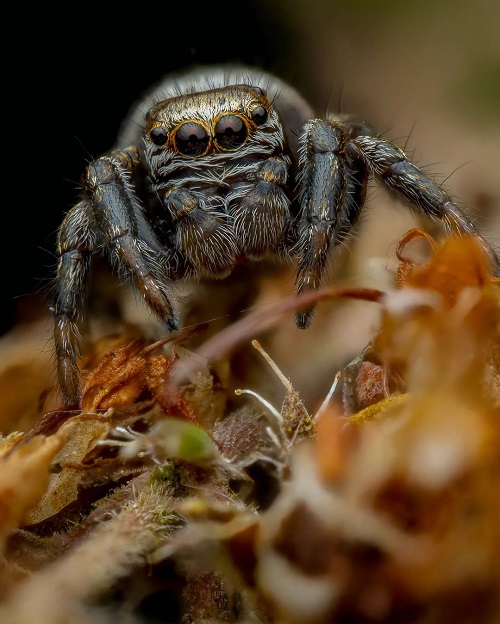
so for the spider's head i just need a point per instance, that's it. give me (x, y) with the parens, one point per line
(215, 125)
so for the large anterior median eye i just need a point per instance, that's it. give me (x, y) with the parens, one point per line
(191, 139)
(230, 131)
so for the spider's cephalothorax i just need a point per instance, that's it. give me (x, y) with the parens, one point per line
(216, 167)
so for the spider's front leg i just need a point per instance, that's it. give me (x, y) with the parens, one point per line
(391, 166)
(110, 217)
(332, 191)
(75, 244)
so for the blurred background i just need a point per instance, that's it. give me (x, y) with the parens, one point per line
(425, 74)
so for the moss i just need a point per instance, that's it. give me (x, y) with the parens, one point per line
(170, 475)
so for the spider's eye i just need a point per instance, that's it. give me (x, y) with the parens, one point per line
(191, 139)
(230, 131)
(159, 135)
(259, 115)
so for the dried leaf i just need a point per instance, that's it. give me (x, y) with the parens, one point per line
(81, 433)
(24, 475)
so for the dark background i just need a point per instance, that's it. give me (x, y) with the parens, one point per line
(71, 81)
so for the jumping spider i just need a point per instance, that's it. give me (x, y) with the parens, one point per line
(216, 167)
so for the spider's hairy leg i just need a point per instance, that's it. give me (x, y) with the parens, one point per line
(333, 189)
(263, 214)
(391, 165)
(120, 220)
(203, 234)
(75, 245)
(109, 216)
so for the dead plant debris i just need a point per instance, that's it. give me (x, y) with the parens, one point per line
(168, 498)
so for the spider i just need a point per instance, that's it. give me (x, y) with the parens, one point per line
(214, 167)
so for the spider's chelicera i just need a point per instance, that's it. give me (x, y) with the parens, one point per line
(217, 167)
